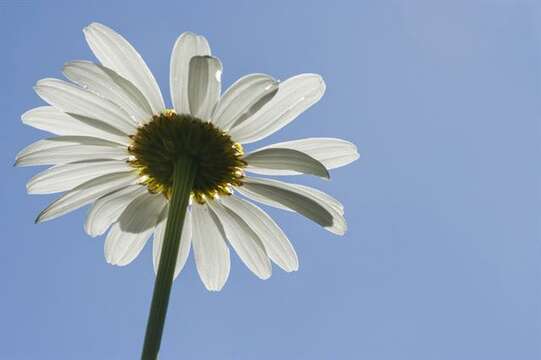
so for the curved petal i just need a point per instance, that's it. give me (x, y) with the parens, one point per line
(204, 85)
(285, 160)
(331, 152)
(116, 53)
(109, 85)
(66, 149)
(328, 201)
(210, 249)
(294, 96)
(67, 176)
(58, 141)
(320, 196)
(67, 154)
(244, 240)
(142, 213)
(107, 209)
(86, 193)
(121, 247)
(185, 241)
(49, 118)
(187, 46)
(302, 199)
(74, 100)
(273, 238)
(242, 99)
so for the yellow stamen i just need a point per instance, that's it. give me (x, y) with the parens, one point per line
(157, 144)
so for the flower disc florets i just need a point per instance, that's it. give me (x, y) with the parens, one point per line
(159, 143)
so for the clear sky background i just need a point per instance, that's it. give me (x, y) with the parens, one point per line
(443, 256)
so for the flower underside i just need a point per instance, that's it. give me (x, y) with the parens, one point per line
(158, 144)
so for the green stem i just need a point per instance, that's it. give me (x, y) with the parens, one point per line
(183, 178)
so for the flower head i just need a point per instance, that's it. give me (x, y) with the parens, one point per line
(116, 144)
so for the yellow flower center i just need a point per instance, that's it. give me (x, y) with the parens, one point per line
(159, 143)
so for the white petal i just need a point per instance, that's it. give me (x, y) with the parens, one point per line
(142, 213)
(108, 84)
(66, 149)
(187, 46)
(51, 119)
(204, 85)
(107, 209)
(67, 176)
(122, 247)
(292, 200)
(275, 241)
(114, 52)
(72, 99)
(252, 195)
(328, 202)
(185, 241)
(302, 199)
(68, 154)
(210, 249)
(330, 152)
(320, 196)
(244, 240)
(294, 96)
(333, 205)
(285, 160)
(244, 98)
(86, 193)
(64, 141)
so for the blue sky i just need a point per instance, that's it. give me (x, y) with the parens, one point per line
(442, 259)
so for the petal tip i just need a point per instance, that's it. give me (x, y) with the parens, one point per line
(67, 65)
(326, 175)
(214, 289)
(39, 219)
(265, 275)
(339, 232)
(93, 25)
(24, 116)
(89, 231)
(290, 267)
(186, 34)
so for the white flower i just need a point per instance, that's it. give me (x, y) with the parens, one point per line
(115, 138)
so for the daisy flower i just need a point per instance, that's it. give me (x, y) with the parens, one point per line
(117, 143)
